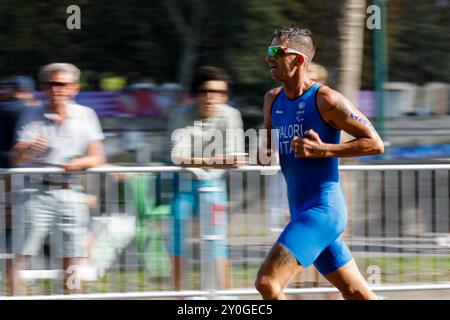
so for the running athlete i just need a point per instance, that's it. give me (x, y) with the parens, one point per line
(309, 117)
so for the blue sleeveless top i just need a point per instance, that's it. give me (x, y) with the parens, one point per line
(292, 117)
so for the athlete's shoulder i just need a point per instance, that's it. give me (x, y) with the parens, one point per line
(272, 94)
(269, 99)
(327, 96)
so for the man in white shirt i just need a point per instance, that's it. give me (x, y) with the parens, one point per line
(64, 134)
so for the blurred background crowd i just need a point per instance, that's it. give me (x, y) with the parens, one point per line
(137, 60)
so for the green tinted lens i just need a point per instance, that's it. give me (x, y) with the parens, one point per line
(275, 51)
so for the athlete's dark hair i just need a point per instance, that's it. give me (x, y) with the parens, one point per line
(207, 73)
(300, 38)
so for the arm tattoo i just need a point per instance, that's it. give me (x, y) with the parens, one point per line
(343, 105)
(365, 122)
(346, 107)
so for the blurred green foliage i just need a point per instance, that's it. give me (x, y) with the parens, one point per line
(164, 41)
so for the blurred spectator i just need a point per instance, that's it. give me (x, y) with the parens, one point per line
(318, 73)
(204, 197)
(168, 97)
(65, 134)
(15, 96)
(138, 99)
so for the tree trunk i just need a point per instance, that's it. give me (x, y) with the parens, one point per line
(351, 47)
(189, 35)
(351, 40)
(190, 50)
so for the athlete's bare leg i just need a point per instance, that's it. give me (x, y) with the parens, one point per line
(350, 282)
(277, 270)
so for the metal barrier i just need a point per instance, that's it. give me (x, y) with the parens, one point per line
(398, 231)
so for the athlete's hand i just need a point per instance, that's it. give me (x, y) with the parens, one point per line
(310, 146)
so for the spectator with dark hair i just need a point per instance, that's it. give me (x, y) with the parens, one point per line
(192, 129)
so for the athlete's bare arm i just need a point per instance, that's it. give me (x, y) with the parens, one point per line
(341, 114)
(265, 147)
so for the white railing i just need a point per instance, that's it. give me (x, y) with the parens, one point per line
(398, 226)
